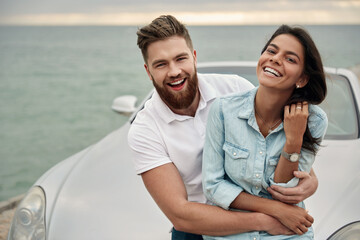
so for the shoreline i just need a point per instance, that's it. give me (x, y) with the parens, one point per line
(7, 210)
(356, 70)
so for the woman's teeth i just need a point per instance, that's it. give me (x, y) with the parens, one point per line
(273, 71)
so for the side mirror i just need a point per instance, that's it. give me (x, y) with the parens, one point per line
(124, 105)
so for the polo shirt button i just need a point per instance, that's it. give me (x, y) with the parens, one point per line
(257, 187)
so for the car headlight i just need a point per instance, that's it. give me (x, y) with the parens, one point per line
(29, 218)
(348, 232)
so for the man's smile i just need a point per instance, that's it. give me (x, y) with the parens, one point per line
(177, 84)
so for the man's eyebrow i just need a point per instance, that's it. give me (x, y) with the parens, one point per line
(163, 60)
(157, 62)
(287, 52)
(182, 54)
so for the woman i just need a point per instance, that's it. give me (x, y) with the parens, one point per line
(260, 138)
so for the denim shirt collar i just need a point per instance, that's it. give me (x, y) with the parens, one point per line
(247, 110)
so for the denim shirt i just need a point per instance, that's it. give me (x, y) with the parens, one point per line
(236, 155)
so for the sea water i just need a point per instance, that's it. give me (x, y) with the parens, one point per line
(57, 84)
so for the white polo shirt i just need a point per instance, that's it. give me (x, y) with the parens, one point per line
(158, 136)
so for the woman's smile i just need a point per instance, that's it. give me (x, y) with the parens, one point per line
(281, 65)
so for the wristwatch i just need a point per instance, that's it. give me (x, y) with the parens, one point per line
(292, 157)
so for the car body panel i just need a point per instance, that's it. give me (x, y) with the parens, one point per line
(336, 201)
(101, 197)
(96, 194)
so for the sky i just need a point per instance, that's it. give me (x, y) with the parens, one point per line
(191, 12)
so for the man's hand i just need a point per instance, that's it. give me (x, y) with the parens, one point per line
(307, 186)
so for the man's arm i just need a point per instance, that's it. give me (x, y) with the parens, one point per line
(165, 185)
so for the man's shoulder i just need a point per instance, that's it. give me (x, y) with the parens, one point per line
(215, 77)
(145, 118)
(226, 83)
(144, 125)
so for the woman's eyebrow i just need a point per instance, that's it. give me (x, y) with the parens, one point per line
(287, 52)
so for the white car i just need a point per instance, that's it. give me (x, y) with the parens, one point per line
(95, 194)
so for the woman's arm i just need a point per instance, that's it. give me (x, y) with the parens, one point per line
(216, 188)
(295, 122)
(295, 218)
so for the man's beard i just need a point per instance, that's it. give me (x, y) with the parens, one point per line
(181, 99)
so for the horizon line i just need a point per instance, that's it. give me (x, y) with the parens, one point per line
(192, 25)
(310, 17)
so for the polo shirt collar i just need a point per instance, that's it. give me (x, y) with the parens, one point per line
(207, 93)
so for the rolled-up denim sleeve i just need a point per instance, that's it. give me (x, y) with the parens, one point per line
(318, 123)
(217, 188)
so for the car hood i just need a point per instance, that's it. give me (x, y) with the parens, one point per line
(337, 167)
(101, 197)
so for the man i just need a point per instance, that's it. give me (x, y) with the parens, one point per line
(167, 138)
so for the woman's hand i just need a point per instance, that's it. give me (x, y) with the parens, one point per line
(295, 121)
(275, 227)
(295, 218)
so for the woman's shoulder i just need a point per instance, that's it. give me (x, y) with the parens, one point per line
(317, 121)
(316, 113)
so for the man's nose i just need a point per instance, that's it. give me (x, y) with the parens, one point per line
(174, 70)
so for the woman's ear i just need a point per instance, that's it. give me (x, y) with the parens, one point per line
(304, 79)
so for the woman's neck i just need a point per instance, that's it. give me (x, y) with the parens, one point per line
(269, 104)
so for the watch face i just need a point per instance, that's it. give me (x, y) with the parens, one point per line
(294, 157)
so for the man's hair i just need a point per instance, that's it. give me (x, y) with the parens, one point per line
(161, 28)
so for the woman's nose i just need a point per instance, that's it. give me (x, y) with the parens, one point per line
(275, 58)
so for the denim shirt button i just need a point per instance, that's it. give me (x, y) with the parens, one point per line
(257, 175)
(260, 152)
(234, 153)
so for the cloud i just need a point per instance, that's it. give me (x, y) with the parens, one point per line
(135, 12)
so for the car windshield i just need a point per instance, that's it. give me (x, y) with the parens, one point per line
(339, 104)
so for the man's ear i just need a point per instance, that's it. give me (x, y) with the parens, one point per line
(195, 58)
(147, 70)
(304, 79)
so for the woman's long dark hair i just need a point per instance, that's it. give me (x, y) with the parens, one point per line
(314, 91)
